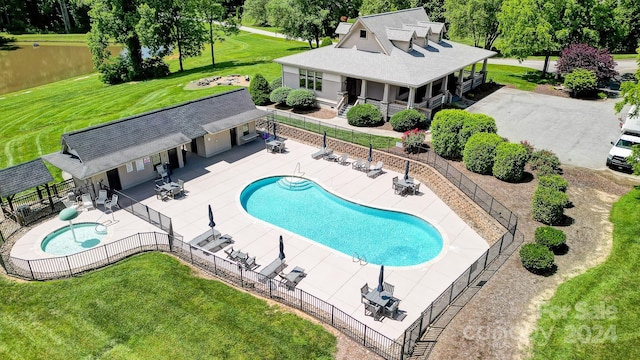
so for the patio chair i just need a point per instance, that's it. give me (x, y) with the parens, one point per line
(292, 279)
(373, 310)
(364, 290)
(281, 147)
(102, 197)
(394, 184)
(175, 191)
(416, 188)
(357, 164)
(343, 160)
(87, 203)
(366, 166)
(387, 287)
(391, 309)
(377, 170)
(229, 252)
(317, 155)
(250, 263)
(161, 194)
(113, 203)
(162, 172)
(331, 157)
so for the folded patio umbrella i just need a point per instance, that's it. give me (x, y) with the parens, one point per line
(406, 170)
(380, 278)
(324, 140)
(370, 152)
(281, 255)
(274, 132)
(212, 223)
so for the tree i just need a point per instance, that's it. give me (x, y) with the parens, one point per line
(475, 18)
(634, 159)
(171, 23)
(630, 91)
(435, 9)
(627, 19)
(526, 29)
(583, 56)
(221, 24)
(259, 90)
(256, 10)
(303, 19)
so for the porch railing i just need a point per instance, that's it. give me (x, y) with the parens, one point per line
(435, 101)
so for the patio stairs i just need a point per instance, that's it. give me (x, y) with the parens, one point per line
(343, 112)
(294, 183)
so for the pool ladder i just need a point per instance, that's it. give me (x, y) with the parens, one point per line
(361, 259)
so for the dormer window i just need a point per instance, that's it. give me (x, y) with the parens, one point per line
(363, 34)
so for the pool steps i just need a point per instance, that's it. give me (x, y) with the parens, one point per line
(294, 183)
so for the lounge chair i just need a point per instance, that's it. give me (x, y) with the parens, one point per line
(366, 166)
(250, 263)
(317, 155)
(270, 271)
(292, 279)
(331, 156)
(218, 243)
(86, 201)
(357, 164)
(113, 203)
(343, 160)
(377, 170)
(102, 197)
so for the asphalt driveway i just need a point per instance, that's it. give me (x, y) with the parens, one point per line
(578, 131)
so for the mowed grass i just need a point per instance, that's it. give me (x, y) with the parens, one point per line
(522, 78)
(150, 307)
(596, 315)
(32, 121)
(70, 38)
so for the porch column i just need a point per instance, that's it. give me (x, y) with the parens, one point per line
(384, 104)
(443, 88)
(363, 90)
(429, 91)
(473, 70)
(484, 71)
(412, 96)
(460, 81)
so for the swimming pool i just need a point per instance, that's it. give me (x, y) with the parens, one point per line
(61, 242)
(301, 206)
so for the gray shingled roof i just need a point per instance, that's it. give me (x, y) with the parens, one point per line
(421, 31)
(379, 23)
(107, 146)
(436, 27)
(400, 34)
(23, 177)
(343, 28)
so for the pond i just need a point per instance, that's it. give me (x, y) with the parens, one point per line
(30, 66)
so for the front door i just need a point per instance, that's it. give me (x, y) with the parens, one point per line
(173, 158)
(114, 179)
(352, 88)
(234, 137)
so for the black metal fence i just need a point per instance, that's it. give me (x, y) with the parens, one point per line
(144, 212)
(29, 207)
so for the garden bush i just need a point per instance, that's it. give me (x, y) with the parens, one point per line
(550, 237)
(279, 95)
(548, 205)
(480, 152)
(554, 181)
(154, 68)
(301, 99)
(445, 128)
(580, 81)
(583, 56)
(412, 140)
(406, 120)
(259, 89)
(510, 161)
(326, 41)
(544, 162)
(116, 72)
(536, 257)
(364, 115)
(276, 83)
(475, 123)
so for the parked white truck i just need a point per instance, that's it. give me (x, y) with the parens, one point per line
(622, 147)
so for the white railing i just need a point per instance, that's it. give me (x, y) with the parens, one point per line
(435, 101)
(477, 80)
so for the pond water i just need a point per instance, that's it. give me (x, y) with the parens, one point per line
(30, 66)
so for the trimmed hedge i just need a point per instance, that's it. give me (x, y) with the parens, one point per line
(279, 95)
(276, 83)
(480, 152)
(554, 181)
(475, 123)
(536, 257)
(301, 99)
(364, 115)
(259, 89)
(545, 162)
(445, 127)
(510, 161)
(326, 41)
(550, 237)
(406, 120)
(580, 81)
(548, 205)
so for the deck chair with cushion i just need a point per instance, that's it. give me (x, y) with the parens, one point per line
(377, 170)
(357, 164)
(102, 197)
(343, 160)
(317, 155)
(292, 279)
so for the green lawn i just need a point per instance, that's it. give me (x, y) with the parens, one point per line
(249, 22)
(31, 38)
(150, 307)
(522, 78)
(32, 121)
(596, 314)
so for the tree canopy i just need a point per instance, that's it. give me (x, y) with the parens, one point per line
(475, 18)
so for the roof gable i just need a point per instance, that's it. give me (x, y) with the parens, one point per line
(378, 23)
(352, 39)
(23, 177)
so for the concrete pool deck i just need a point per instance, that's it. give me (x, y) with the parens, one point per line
(332, 276)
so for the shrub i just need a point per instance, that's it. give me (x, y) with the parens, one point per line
(301, 99)
(326, 41)
(528, 146)
(583, 56)
(364, 115)
(548, 205)
(580, 81)
(412, 140)
(544, 162)
(154, 68)
(536, 257)
(279, 95)
(475, 123)
(550, 237)
(259, 90)
(407, 119)
(480, 152)
(276, 83)
(445, 127)
(116, 72)
(554, 181)
(510, 161)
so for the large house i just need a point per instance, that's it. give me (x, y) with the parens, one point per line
(127, 152)
(395, 60)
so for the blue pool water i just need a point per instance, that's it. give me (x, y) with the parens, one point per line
(60, 242)
(301, 206)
